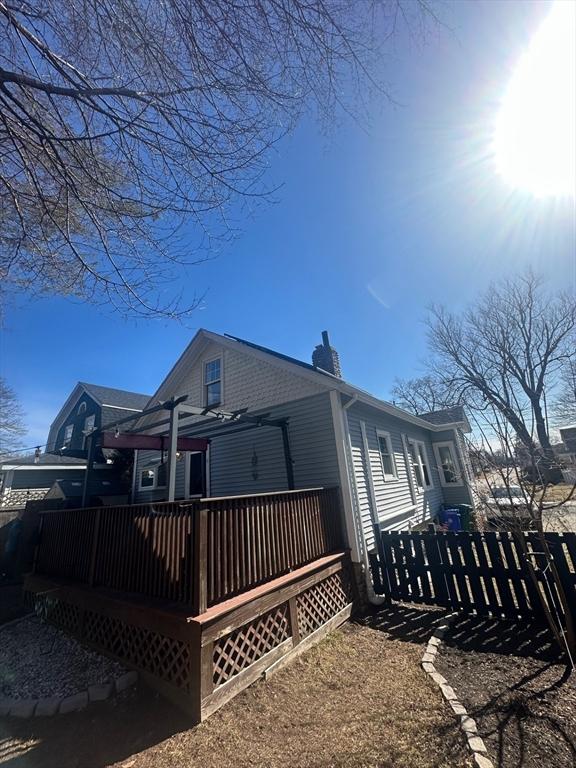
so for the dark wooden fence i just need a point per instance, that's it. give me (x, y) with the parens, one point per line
(194, 553)
(483, 573)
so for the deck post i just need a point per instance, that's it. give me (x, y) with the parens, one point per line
(88, 472)
(172, 449)
(94, 553)
(287, 456)
(200, 562)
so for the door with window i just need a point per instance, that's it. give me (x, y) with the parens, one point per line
(197, 486)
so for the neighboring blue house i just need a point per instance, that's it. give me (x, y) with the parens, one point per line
(63, 463)
(308, 427)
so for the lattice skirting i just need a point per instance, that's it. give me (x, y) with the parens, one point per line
(164, 657)
(202, 662)
(314, 607)
(321, 602)
(245, 645)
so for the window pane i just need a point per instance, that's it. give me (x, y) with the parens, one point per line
(212, 371)
(416, 466)
(447, 462)
(89, 423)
(68, 434)
(147, 478)
(387, 461)
(422, 453)
(213, 393)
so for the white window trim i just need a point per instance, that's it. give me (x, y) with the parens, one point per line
(81, 408)
(380, 433)
(154, 487)
(205, 383)
(452, 448)
(417, 445)
(187, 471)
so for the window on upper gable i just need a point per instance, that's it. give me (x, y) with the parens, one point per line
(213, 383)
(81, 408)
(68, 431)
(387, 456)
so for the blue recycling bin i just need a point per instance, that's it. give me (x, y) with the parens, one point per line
(451, 518)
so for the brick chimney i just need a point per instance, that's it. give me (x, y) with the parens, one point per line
(326, 357)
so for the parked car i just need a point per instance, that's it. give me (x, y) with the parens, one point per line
(506, 497)
(506, 508)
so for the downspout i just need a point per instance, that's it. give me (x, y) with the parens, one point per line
(373, 598)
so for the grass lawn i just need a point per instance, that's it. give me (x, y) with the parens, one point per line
(357, 699)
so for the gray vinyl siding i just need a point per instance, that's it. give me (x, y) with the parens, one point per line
(145, 458)
(253, 461)
(394, 505)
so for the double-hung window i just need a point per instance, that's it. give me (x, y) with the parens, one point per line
(153, 476)
(447, 464)
(420, 465)
(213, 383)
(68, 435)
(89, 422)
(386, 455)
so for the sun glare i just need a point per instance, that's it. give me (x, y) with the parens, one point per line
(535, 140)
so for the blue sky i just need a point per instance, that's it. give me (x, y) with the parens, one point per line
(370, 227)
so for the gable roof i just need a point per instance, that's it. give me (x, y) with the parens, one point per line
(450, 415)
(116, 398)
(281, 356)
(311, 372)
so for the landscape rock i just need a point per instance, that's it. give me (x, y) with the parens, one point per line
(458, 708)
(438, 678)
(448, 692)
(74, 703)
(100, 692)
(47, 707)
(23, 708)
(475, 743)
(480, 761)
(468, 724)
(126, 681)
(427, 666)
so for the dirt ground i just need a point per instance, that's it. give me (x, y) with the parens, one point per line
(510, 680)
(357, 699)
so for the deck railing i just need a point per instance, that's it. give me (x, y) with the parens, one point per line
(195, 553)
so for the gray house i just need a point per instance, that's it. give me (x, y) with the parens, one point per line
(275, 423)
(28, 478)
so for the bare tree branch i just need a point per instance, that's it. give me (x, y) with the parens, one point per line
(121, 121)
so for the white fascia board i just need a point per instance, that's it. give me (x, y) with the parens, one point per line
(42, 466)
(121, 408)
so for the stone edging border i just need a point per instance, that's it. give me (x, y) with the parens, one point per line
(467, 723)
(46, 707)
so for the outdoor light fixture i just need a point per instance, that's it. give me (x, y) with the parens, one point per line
(116, 433)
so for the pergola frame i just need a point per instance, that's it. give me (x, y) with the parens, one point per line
(177, 409)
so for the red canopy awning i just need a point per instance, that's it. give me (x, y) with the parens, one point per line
(151, 442)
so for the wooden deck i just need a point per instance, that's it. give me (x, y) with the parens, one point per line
(201, 598)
